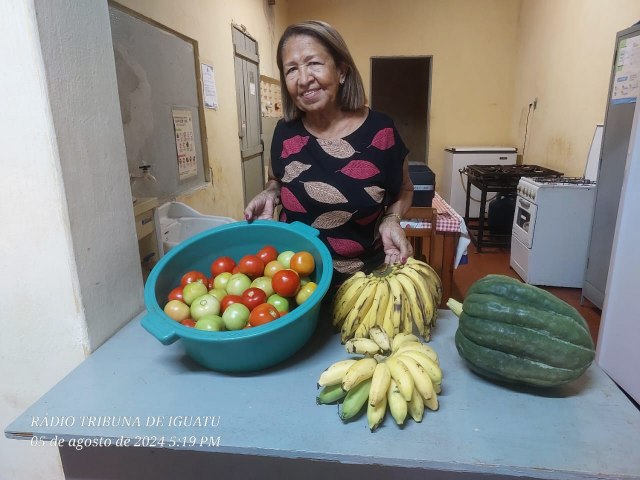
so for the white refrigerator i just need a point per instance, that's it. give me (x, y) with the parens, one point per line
(618, 348)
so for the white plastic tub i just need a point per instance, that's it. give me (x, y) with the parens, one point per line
(179, 222)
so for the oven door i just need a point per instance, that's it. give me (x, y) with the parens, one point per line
(524, 221)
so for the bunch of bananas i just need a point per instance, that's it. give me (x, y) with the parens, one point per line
(394, 298)
(402, 374)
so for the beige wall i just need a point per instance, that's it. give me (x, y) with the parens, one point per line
(473, 44)
(209, 23)
(565, 53)
(491, 58)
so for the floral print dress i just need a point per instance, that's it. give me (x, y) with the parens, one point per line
(341, 186)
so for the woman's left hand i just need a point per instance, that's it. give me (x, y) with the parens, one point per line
(394, 241)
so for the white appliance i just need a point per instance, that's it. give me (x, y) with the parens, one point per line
(551, 229)
(454, 183)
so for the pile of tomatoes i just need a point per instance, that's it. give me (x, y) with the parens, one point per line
(257, 289)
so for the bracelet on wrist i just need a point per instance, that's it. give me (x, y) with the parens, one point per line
(392, 215)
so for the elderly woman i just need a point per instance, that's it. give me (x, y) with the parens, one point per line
(335, 164)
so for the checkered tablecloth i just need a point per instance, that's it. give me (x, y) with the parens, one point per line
(448, 218)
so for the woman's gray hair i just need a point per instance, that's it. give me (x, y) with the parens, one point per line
(352, 95)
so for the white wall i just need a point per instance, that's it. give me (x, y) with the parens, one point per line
(70, 269)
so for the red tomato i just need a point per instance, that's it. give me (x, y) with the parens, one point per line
(286, 282)
(236, 269)
(222, 264)
(176, 294)
(303, 263)
(229, 300)
(252, 297)
(267, 254)
(251, 266)
(188, 322)
(194, 276)
(262, 314)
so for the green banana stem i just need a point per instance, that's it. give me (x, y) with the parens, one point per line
(455, 306)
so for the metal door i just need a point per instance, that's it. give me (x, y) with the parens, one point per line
(248, 98)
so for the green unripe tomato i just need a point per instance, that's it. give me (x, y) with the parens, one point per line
(235, 316)
(281, 303)
(212, 323)
(204, 305)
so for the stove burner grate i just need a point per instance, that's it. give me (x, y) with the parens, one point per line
(564, 180)
(507, 175)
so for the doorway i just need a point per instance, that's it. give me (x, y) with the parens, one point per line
(247, 76)
(401, 88)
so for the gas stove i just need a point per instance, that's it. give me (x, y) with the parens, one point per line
(507, 175)
(528, 187)
(551, 230)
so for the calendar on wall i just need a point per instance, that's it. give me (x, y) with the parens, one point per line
(270, 99)
(185, 147)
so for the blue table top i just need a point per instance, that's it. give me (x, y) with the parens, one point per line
(135, 389)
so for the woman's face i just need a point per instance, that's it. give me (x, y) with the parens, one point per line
(311, 75)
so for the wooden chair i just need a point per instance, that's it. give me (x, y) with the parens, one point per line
(423, 240)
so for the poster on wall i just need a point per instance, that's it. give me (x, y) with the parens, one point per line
(210, 93)
(626, 84)
(185, 146)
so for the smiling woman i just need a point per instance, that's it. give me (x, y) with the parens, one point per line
(335, 164)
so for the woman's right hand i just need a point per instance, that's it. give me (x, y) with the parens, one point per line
(262, 206)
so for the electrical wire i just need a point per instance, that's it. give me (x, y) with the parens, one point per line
(526, 129)
(464, 189)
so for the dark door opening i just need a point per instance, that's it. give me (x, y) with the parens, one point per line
(401, 88)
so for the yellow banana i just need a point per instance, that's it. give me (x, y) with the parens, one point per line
(348, 283)
(420, 284)
(407, 322)
(433, 280)
(415, 302)
(344, 302)
(432, 403)
(387, 322)
(363, 346)
(358, 372)
(383, 291)
(421, 380)
(402, 338)
(379, 384)
(371, 317)
(397, 403)
(419, 347)
(379, 335)
(416, 406)
(432, 368)
(402, 376)
(375, 414)
(359, 309)
(333, 374)
(398, 305)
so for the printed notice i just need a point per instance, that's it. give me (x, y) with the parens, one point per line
(627, 71)
(185, 146)
(209, 87)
